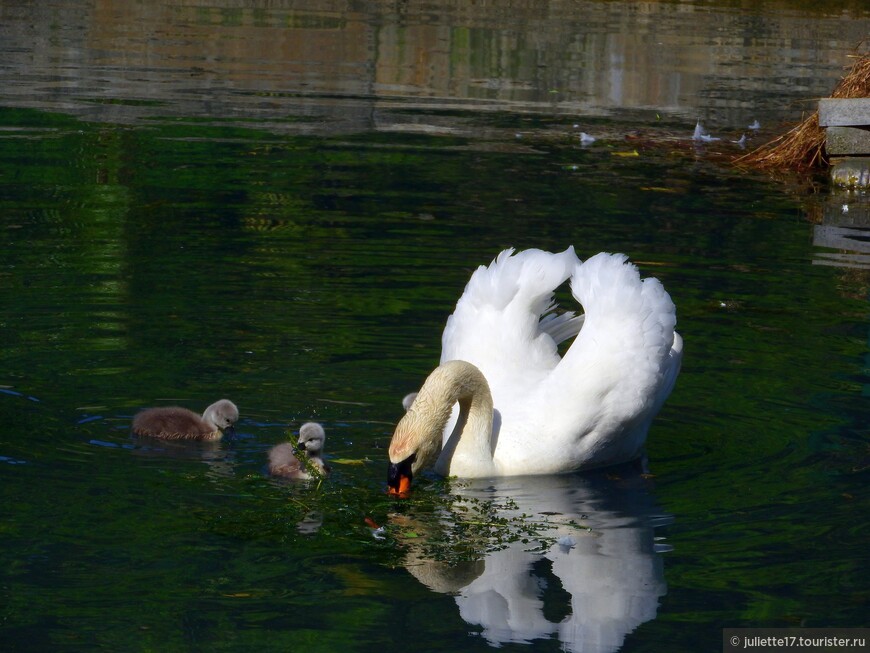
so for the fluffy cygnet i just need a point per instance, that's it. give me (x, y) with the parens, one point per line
(176, 423)
(283, 461)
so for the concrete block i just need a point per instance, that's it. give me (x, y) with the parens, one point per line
(843, 141)
(835, 112)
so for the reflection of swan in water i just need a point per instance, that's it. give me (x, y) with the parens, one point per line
(610, 574)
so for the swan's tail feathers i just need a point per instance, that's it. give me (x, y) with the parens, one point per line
(561, 327)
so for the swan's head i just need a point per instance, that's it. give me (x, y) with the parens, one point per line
(416, 443)
(400, 474)
(311, 438)
(223, 414)
(417, 439)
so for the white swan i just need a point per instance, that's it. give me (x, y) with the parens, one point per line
(523, 409)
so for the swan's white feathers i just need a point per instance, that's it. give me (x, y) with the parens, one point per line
(594, 406)
(619, 369)
(503, 322)
(561, 326)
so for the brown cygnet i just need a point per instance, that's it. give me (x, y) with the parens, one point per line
(283, 461)
(176, 423)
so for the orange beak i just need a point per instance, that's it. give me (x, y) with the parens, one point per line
(399, 477)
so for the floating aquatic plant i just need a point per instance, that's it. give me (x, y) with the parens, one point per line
(446, 524)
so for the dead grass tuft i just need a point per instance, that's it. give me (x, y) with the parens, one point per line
(803, 146)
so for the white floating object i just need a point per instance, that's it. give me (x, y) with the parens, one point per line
(742, 141)
(755, 125)
(701, 136)
(845, 208)
(379, 533)
(567, 542)
(586, 138)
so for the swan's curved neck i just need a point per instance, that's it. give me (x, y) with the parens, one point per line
(468, 450)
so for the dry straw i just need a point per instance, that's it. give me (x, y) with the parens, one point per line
(803, 146)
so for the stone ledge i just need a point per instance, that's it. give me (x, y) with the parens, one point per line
(836, 112)
(844, 141)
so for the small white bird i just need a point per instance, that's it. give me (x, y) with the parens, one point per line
(701, 136)
(566, 543)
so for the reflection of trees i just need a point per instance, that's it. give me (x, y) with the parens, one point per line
(266, 63)
(567, 557)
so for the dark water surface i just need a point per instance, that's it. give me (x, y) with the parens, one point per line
(282, 205)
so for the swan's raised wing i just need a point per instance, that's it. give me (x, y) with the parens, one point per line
(598, 401)
(503, 322)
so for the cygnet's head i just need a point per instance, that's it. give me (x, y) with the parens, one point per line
(222, 414)
(311, 438)
(408, 400)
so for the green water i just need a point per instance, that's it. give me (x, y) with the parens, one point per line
(281, 205)
(309, 278)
